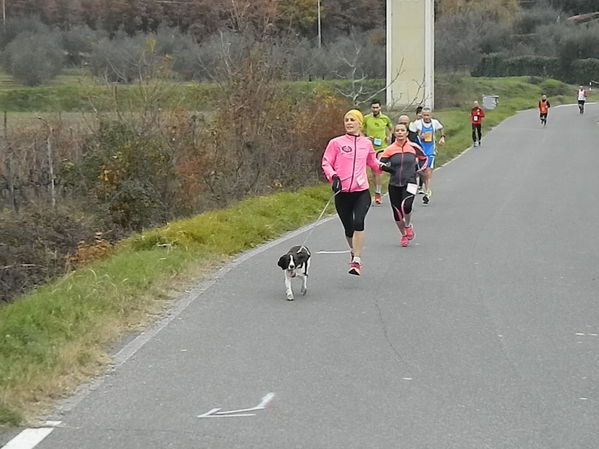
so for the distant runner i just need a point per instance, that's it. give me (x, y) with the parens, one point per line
(544, 109)
(427, 128)
(377, 127)
(581, 95)
(477, 114)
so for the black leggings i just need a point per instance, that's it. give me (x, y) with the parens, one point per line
(401, 201)
(476, 129)
(352, 208)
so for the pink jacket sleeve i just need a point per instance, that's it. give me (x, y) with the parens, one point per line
(328, 160)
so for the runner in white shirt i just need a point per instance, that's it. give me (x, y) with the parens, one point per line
(582, 97)
(428, 128)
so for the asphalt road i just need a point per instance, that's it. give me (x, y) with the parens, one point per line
(483, 333)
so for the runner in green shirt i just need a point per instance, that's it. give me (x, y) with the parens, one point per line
(378, 128)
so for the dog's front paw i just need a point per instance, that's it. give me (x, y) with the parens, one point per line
(290, 296)
(303, 291)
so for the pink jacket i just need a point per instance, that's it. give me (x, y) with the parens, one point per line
(347, 156)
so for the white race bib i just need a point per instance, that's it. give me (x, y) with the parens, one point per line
(377, 142)
(412, 188)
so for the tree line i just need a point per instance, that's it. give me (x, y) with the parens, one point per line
(201, 18)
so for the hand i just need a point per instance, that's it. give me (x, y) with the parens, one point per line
(387, 167)
(442, 140)
(336, 186)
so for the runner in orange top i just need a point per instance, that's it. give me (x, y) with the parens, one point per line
(544, 109)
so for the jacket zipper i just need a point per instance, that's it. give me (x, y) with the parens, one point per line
(353, 172)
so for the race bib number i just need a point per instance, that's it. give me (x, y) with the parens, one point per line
(412, 188)
(427, 136)
(377, 142)
(475, 118)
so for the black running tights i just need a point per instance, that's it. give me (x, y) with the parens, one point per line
(477, 129)
(352, 208)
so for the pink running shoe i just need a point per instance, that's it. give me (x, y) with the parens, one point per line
(404, 240)
(410, 232)
(355, 268)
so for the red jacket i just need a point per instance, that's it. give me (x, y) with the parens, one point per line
(476, 116)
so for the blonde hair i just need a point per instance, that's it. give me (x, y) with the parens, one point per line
(357, 115)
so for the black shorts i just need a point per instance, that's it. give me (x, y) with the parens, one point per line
(581, 101)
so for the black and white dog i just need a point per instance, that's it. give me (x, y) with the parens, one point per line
(295, 262)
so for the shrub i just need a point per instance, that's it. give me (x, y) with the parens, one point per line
(584, 70)
(129, 173)
(501, 65)
(553, 88)
(124, 59)
(34, 246)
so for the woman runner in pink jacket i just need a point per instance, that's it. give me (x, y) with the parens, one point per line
(344, 163)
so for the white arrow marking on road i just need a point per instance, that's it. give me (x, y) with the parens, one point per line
(216, 413)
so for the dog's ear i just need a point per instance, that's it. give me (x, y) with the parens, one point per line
(283, 261)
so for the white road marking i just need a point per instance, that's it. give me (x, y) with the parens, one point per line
(28, 438)
(345, 251)
(216, 413)
(53, 423)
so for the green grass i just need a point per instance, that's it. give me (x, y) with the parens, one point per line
(58, 335)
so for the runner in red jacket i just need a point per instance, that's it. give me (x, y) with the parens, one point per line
(477, 114)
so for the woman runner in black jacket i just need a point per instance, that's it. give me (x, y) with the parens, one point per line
(400, 159)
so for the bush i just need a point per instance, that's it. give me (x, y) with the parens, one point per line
(584, 70)
(129, 173)
(34, 59)
(553, 88)
(500, 65)
(123, 59)
(34, 246)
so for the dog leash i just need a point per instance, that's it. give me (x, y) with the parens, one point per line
(303, 245)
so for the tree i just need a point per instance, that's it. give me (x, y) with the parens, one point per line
(34, 59)
(299, 16)
(493, 10)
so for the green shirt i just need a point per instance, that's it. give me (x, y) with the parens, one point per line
(376, 129)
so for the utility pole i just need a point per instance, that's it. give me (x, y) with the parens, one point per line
(3, 15)
(319, 28)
